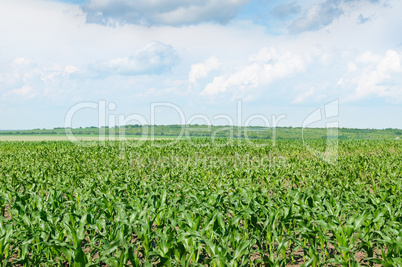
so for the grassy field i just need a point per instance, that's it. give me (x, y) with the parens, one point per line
(44, 137)
(204, 131)
(222, 203)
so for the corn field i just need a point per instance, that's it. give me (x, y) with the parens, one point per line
(203, 203)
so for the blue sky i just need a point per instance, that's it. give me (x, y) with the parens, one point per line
(276, 57)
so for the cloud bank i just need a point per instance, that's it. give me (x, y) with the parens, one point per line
(375, 75)
(153, 58)
(161, 12)
(265, 67)
(323, 14)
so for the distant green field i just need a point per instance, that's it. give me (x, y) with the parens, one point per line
(203, 131)
(81, 137)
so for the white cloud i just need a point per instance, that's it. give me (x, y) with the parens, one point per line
(21, 71)
(27, 80)
(302, 97)
(22, 61)
(376, 75)
(201, 70)
(265, 67)
(352, 66)
(368, 57)
(153, 58)
(25, 92)
(391, 62)
(161, 12)
(246, 78)
(70, 69)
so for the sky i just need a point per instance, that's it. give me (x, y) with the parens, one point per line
(247, 62)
